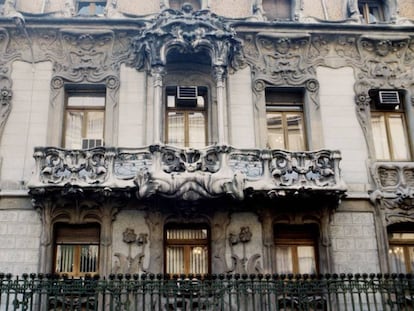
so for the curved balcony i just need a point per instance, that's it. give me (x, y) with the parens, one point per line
(188, 174)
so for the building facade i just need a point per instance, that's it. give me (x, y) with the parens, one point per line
(249, 136)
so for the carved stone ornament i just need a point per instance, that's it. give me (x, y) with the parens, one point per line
(189, 32)
(243, 264)
(128, 263)
(394, 190)
(186, 174)
(5, 102)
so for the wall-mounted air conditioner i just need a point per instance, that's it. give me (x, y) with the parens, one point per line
(388, 98)
(187, 96)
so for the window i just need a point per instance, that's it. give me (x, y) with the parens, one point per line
(187, 250)
(90, 7)
(372, 11)
(285, 120)
(186, 116)
(84, 118)
(296, 248)
(388, 125)
(177, 4)
(277, 9)
(401, 251)
(76, 249)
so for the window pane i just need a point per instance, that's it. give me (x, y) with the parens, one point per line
(176, 128)
(73, 133)
(86, 101)
(275, 136)
(398, 137)
(175, 260)
(95, 124)
(284, 260)
(186, 234)
(199, 260)
(196, 129)
(306, 259)
(379, 134)
(295, 131)
(89, 258)
(64, 258)
(397, 261)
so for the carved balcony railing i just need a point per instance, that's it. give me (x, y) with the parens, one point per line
(394, 187)
(188, 174)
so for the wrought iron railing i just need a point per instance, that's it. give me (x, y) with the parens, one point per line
(216, 292)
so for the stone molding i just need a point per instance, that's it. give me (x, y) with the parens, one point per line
(394, 191)
(186, 174)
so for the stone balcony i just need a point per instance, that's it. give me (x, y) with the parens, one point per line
(187, 174)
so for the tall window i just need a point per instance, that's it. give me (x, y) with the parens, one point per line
(90, 7)
(285, 120)
(177, 4)
(388, 126)
(76, 249)
(372, 11)
(277, 9)
(296, 248)
(187, 250)
(84, 118)
(401, 250)
(186, 116)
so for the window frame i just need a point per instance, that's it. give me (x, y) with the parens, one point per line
(92, 6)
(74, 235)
(404, 244)
(83, 91)
(292, 235)
(386, 111)
(365, 6)
(186, 111)
(187, 244)
(296, 104)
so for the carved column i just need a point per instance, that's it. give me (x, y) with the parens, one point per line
(157, 73)
(155, 221)
(219, 73)
(219, 225)
(107, 218)
(45, 253)
(266, 219)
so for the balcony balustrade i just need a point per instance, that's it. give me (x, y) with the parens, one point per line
(215, 292)
(188, 174)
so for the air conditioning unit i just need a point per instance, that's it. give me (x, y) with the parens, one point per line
(88, 143)
(187, 96)
(389, 98)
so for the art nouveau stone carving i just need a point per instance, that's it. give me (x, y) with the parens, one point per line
(5, 101)
(190, 32)
(186, 174)
(394, 190)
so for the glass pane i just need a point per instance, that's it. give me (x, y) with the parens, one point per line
(73, 133)
(402, 235)
(175, 260)
(397, 261)
(199, 260)
(186, 234)
(295, 132)
(196, 130)
(95, 124)
(89, 258)
(86, 101)
(275, 136)
(284, 263)
(379, 134)
(398, 137)
(411, 254)
(64, 258)
(176, 128)
(306, 259)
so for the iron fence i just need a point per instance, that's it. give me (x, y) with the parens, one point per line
(214, 292)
